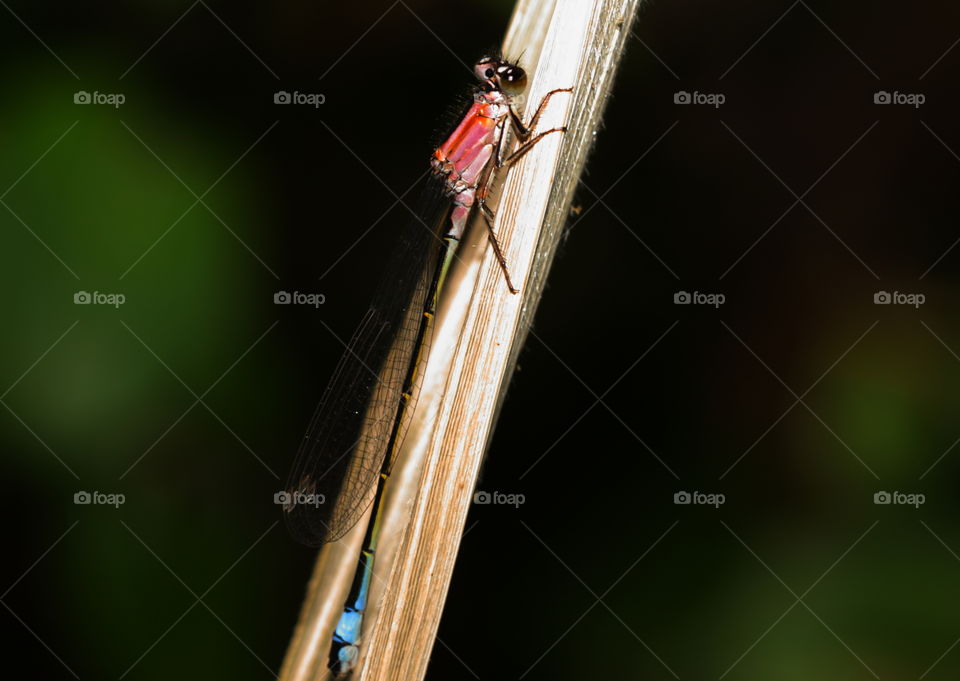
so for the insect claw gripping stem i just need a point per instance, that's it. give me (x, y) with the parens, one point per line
(523, 131)
(527, 143)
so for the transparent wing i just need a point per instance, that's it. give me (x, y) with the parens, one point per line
(333, 478)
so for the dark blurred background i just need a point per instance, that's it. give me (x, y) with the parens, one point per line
(198, 198)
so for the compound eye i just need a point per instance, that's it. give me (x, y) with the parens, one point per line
(513, 80)
(485, 69)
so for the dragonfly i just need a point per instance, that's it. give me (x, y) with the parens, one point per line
(350, 447)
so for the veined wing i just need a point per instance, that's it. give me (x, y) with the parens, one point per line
(355, 427)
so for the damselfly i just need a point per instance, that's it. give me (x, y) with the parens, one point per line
(350, 446)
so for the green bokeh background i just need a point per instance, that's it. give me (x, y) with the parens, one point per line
(100, 398)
